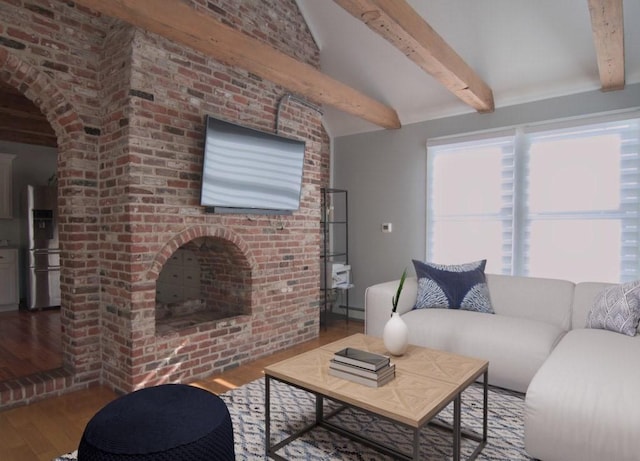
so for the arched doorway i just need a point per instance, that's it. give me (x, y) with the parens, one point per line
(76, 315)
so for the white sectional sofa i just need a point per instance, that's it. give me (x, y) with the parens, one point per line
(582, 385)
(584, 402)
(531, 316)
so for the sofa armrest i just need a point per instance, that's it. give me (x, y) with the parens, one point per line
(378, 303)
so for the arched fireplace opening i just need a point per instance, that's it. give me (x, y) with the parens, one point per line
(206, 279)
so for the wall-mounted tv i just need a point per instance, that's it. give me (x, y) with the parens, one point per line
(250, 171)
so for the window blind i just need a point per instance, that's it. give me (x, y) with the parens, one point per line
(551, 200)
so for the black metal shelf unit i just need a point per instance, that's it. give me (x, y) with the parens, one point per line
(334, 223)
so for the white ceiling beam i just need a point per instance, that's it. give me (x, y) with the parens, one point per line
(183, 24)
(404, 28)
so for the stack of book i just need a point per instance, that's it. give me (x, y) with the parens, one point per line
(373, 370)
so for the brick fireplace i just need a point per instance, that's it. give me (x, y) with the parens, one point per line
(128, 108)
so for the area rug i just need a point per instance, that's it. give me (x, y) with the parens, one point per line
(292, 409)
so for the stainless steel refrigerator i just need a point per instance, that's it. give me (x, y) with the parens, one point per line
(44, 250)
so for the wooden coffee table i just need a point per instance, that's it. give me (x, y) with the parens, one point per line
(426, 381)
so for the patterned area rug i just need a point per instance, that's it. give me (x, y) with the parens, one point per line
(292, 409)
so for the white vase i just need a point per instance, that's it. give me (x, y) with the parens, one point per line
(395, 335)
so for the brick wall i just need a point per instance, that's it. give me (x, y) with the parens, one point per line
(128, 108)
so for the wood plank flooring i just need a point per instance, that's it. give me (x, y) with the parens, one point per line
(29, 342)
(51, 427)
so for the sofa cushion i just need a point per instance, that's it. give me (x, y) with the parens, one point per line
(515, 347)
(584, 404)
(462, 286)
(534, 298)
(617, 308)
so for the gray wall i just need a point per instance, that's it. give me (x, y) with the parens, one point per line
(385, 174)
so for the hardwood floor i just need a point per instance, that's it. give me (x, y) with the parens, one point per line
(49, 428)
(29, 342)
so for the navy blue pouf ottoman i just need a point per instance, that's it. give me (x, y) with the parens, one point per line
(171, 422)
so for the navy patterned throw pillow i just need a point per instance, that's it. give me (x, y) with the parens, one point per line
(462, 286)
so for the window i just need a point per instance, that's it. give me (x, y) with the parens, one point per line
(545, 201)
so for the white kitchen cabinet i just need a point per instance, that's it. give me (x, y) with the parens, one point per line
(9, 297)
(6, 186)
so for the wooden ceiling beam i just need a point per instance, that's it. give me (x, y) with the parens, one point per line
(607, 25)
(183, 24)
(25, 122)
(18, 102)
(14, 118)
(399, 24)
(28, 137)
(22, 121)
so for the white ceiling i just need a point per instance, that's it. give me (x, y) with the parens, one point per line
(524, 50)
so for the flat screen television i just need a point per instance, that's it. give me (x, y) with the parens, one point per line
(250, 171)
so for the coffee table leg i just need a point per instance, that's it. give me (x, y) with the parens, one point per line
(456, 427)
(319, 409)
(485, 415)
(267, 416)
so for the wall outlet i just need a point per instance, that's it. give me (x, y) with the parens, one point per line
(387, 227)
